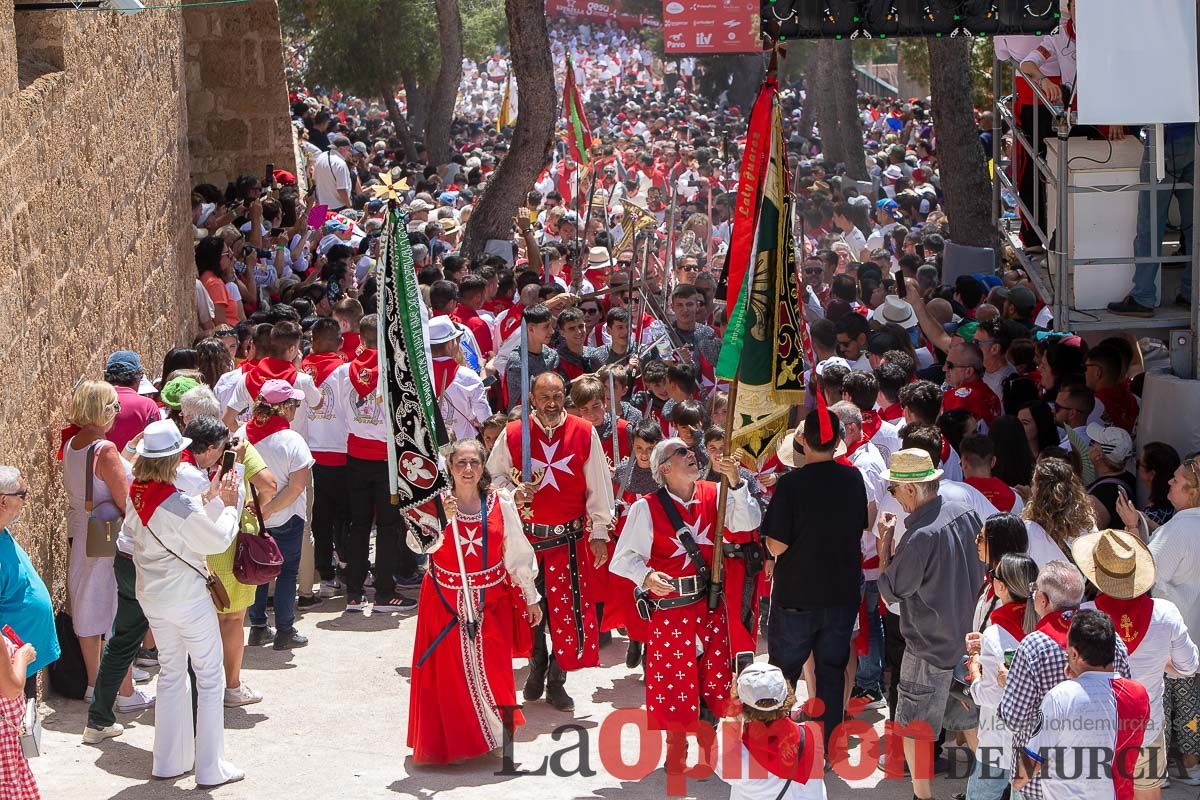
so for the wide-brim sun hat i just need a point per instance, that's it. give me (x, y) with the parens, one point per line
(785, 451)
(911, 466)
(1117, 562)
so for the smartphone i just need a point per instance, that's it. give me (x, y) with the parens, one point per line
(1008, 658)
(489, 380)
(227, 461)
(269, 178)
(12, 636)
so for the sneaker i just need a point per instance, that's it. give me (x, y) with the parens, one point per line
(140, 675)
(409, 581)
(307, 601)
(97, 735)
(147, 657)
(331, 588)
(260, 635)
(393, 605)
(872, 698)
(1130, 308)
(287, 640)
(355, 603)
(1189, 776)
(138, 701)
(241, 696)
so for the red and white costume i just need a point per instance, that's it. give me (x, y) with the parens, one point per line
(687, 655)
(460, 683)
(575, 492)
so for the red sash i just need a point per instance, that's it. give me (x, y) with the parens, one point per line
(147, 496)
(776, 748)
(1133, 714)
(256, 431)
(1131, 618)
(1055, 625)
(1010, 617)
(364, 371)
(269, 369)
(320, 366)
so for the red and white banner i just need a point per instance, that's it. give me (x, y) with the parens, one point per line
(702, 27)
(599, 11)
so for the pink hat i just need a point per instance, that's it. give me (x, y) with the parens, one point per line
(277, 391)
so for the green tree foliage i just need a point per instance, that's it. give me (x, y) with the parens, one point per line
(916, 64)
(484, 27)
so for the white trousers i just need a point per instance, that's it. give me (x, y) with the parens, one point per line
(183, 631)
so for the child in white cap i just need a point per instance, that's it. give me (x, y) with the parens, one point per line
(780, 760)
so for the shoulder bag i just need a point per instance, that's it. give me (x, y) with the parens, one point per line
(29, 732)
(257, 559)
(104, 521)
(216, 589)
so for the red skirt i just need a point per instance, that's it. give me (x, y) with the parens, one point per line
(464, 693)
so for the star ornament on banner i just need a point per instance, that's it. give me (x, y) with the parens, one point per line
(549, 463)
(698, 536)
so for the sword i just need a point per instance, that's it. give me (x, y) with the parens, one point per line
(616, 440)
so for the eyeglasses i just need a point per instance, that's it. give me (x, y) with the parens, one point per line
(591, 311)
(679, 451)
(115, 405)
(949, 366)
(982, 342)
(222, 332)
(624, 263)
(21, 493)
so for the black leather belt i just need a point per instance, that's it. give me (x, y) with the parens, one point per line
(733, 550)
(547, 537)
(539, 531)
(557, 541)
(682, 600)
(692, 584)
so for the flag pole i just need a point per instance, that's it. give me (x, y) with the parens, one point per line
(381, 359)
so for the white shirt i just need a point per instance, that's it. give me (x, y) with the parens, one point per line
(240, 400)
(1166, 641)
(995, 740)
(330, 173)
(995, 380)
(770, 786)
(870, 463)
(225, 387)
(887, 438)
(857, 242)
(286, 452)
(1042, 548)
(464, 404)
(326, 424)
(205, 310)
(1176, 550)
(633, 546)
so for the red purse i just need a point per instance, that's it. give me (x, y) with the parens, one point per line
(257, 559)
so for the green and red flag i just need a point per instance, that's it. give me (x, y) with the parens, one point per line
(763, 349)
(579, 135)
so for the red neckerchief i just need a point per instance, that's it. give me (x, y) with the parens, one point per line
(444, 370)
(871, 424)
(187, 458)
(776, 747)
(850, 449)
(68, 433)
(320, 366)
(892, 413)
(269, 369)
(1055, 625)
(147, 496)
(257, 431)
(248, 364)
(995, 490)
(1131, 618)
(945, 450)
(364, 371)
(1010, 617)
(351, 342)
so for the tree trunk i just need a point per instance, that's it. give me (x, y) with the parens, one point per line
(845, 96)
(445, 89)
(388, 93)
(825, 102)
(963, 169)
(534, 74)
(808, 110)
(748, 72)
(418, 97)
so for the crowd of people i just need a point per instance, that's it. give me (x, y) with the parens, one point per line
(960, 526)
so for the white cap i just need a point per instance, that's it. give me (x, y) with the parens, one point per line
(762, 686)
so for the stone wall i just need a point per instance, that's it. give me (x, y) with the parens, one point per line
(237, 98)
(94, 235)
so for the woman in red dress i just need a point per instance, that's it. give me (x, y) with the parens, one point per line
(462, 675)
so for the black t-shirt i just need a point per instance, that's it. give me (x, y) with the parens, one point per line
(1105, 490)
(819, 511)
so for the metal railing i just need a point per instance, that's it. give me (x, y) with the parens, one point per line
(869, 83)
(1060, 291)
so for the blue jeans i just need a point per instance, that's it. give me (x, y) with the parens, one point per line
(824, 633)
(988, 782)
(870, 666)
(1179, 158)
(289, 537)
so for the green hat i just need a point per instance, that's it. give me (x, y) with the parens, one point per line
(175, 389)
(966, 331)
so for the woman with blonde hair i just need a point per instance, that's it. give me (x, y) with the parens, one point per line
(91, 583)
(1057, 512)
(172, 535)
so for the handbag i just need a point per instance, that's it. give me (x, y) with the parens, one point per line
(104, 520)
(216, 589)
(29, 732)
(257, 558)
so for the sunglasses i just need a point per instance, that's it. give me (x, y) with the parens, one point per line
(813, 270)
(679, 451)
(949, 366)
(22, 493)
(690, 268)
(222, 332)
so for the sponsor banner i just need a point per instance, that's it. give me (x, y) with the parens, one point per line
(599, 11)
(700, 27)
